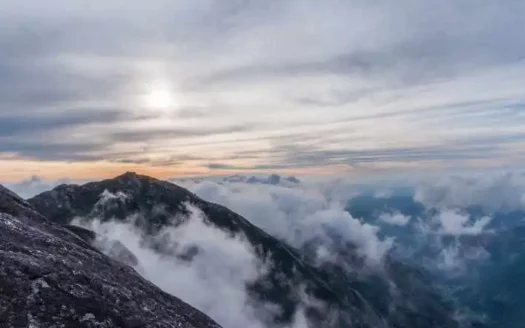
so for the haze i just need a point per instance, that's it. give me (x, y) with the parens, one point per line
(190, 88)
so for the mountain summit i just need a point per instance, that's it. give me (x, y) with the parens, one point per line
(398, 296)
(49, 277)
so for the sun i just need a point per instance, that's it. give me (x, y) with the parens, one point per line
(160, 98)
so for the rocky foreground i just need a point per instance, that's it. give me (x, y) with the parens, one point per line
(50, 277)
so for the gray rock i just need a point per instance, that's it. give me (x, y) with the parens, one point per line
(112, 248)
(86, 234)
(117, 251)
(50, 277)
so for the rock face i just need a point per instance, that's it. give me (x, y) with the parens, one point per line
(114, 248)
(50, 277)
(403, 299)
(86, 234)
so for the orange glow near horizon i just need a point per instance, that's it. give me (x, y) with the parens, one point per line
(17, 170)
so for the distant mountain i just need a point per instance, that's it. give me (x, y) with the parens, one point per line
(492, 289)
(398, 296)
(50, 277)
(481, 272)
(273, 179)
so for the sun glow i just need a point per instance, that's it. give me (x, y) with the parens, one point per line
(160, 98)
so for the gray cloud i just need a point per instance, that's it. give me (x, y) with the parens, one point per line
(493, 192)
(175, 133)
(220, 166)
(14, 124)
(35, 185)
(77, 151)
(287, 156)
(441, 45)
(267, 72)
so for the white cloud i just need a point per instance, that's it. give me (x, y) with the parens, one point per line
(33, 186)
(338, 221)
(108, 196)
(213, 281)
(395, 218)
(492, 191)
(450, 260)
(402, 69)
(456, 223)
(297, 215)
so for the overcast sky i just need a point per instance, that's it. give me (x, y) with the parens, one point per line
(201, 87)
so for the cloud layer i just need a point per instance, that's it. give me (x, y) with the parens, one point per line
(213, 281)
(427, 225)
(296, 214)
(279, 85)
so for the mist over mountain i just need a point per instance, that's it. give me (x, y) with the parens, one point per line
(299, 164)
(272, 179)
(465, 233)
(327, 253)
(336, 273)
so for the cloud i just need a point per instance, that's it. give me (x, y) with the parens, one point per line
(214, 276)
(34, 185)
(493, 192)
(72, 79)
(449, 237)
(395, 218)
(456, 258)
(272, 179)
(298, 214)
(455, 223)
(108, 197)
(15, 124)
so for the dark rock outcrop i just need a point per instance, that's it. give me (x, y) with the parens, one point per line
(50, 277)
(113, 248)
(86, 234)
(117, 251)
(398, 297)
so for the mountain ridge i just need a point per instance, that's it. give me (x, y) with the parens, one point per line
(50, 277)
(358, 302)
(227, 219)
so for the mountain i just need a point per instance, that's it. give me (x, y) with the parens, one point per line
(398, 296)
(50, 277)
(272, 179)
(492, 289)
(481, 272)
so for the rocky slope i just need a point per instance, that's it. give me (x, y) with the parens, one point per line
(399, 296)
(50, 277)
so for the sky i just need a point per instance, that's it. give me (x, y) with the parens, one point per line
(183, 88)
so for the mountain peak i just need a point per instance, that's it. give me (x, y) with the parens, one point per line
(11, 203)
(130, 175)
(128, 181)
(38, 288)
